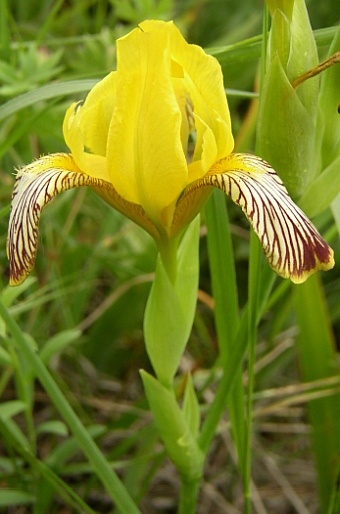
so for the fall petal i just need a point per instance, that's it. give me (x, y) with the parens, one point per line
(36, 185)
(292, 245)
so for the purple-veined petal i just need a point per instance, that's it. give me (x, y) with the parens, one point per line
(34, 188)
(36, 185)
(292, 245)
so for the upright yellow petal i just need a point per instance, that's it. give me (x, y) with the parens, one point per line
(203, 81)
(134, 127)
(86, 127)
(146, 160)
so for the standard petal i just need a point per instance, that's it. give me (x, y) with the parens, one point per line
(36, 185)
(146, 160)
(91, 164)
(203, 81)
(86, 127)
(292, 245)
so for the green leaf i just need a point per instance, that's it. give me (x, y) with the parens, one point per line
(175, 432)
(45, 477)
(100, 465)
(285, 130)
(45, 93)
(328, 126)
(303, 57)
(287, 116)
(9, 294)
(250, 49)
(336, 211)
(280, 37)
(53, 427)
(318, 360)
(69, 447)
(15, 497)
(14, 430)
(323, 190)
(5, 358)
(57, 343)
(170, 308)
(224, 288)
(191, 409)
(11, 408)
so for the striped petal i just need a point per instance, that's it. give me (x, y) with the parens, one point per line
(36, 185)
(292, 245)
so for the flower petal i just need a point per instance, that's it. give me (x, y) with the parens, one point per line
(36, 185)
(145, 157)
(203, 81)
(86, 127)
(292, 245)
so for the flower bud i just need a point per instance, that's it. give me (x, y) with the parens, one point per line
(287, 115)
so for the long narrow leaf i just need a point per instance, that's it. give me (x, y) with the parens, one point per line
(317, 357)
(45, 93)
(102, 468)
(223, 277)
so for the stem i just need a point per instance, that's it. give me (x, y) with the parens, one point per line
(334, 59)
(168, 252)
(100, 465)
(188, 496)
(25, 394)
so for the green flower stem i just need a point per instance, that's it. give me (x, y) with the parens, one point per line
(101, 467)
(188, 496)
(168, 251)
(171, 305)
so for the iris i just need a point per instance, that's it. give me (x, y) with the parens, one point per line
(154, 139)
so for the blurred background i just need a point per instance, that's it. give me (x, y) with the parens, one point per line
(92, 276)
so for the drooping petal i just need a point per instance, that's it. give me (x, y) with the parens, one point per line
(36, 185)
(292, 245)
(188, 206)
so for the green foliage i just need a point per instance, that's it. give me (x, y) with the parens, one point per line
(175, 428)
(171, 307)
(318, 361)
(32, 67)
(287, 115)
(73, 412)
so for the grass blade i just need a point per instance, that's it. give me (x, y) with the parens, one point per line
(45, 93)
(102, 468)
(223, 277)
(317, 357)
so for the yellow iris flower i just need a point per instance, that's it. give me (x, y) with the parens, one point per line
(153, 139)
